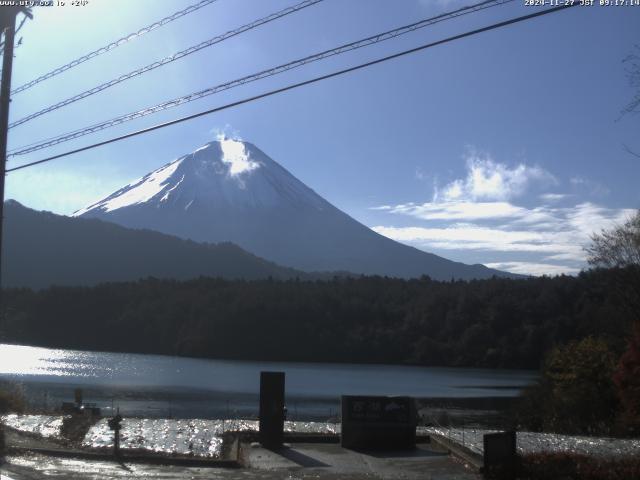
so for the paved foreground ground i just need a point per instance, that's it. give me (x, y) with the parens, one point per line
(318, 460)
(298, 461)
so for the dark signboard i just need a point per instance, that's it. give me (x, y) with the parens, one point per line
(378, 422)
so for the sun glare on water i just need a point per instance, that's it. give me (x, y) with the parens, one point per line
(21, 360)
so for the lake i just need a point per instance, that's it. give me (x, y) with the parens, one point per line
(156, 385)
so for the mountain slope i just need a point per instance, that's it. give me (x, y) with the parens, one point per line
(42, 249)
(231, 191)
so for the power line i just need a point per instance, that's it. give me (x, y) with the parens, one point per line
(256, 76)
(299, 84)
(172, 58)
(112, 45)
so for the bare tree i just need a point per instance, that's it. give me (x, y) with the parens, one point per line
(632, 63)
(632, 68)
(618, 247)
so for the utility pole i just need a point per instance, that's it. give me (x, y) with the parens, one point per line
(7, 24)
(8, 16)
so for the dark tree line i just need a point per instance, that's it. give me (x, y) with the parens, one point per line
(591, 385)
(500, 323)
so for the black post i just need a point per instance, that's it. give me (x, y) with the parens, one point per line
(1, 444)
(115, 425)
(116, 442)
(272, 409)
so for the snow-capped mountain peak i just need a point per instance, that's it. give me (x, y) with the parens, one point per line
(225, 172)
(230, 191)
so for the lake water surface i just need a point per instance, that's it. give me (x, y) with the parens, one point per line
(155, 385)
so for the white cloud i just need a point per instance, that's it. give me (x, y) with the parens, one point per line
(476, 218)
(225, 132)
(236, 156)
(556, 236)
(543, 217)
(587, 218)
(474, 237)
(234, 153)
(532, 268)
(590, 186)
(562, 257)
(457, 210)
(454, 190)
(489, 180)
(554, 197)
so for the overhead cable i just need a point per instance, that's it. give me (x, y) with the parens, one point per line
(167, 60)
(257, 76)
(297, 85)
(112, 45)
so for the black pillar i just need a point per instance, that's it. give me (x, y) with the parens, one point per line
(272, 409)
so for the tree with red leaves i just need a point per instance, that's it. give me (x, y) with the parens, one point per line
(619, 249)
(627, 381)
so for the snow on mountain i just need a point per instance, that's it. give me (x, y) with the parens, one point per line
(229, 190)
(140, 191)
(223, 173)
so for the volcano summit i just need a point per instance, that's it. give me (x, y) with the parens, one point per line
(231, 191)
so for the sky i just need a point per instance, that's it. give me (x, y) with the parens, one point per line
(507, 148)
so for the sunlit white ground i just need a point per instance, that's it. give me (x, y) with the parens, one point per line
(47, 426)
(529, 442)
(203, 438)
(198, 437)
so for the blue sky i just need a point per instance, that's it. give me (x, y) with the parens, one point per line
(506, 148)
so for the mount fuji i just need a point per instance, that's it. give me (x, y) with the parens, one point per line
(231, 191)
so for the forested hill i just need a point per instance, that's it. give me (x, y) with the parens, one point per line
(42, 249)
(492, 323)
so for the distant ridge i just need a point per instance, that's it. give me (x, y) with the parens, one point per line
(43, 249)
(230, 190)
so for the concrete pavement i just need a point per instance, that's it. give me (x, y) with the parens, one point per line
(295, 461)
